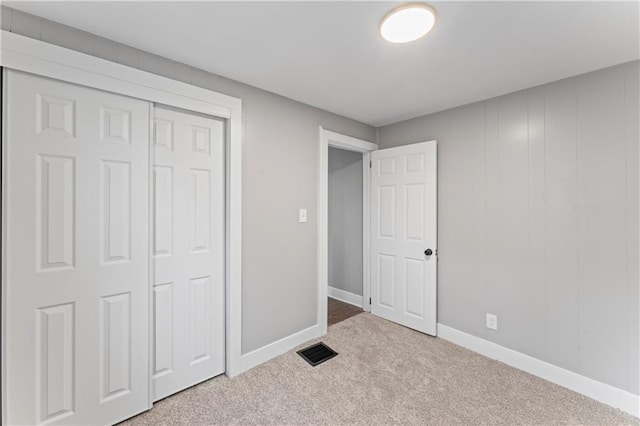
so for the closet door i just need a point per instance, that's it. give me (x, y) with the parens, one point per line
(76, 292)
(188, 249)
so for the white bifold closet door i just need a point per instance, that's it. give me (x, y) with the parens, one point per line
(188, 250)
(76, 294)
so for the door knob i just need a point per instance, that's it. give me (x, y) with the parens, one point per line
(428, 252)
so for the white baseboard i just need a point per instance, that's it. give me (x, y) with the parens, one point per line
(345, 296)
(272, 350)
(610, 395)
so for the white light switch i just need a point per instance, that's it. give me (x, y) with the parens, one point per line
(303, 215)
(492, 321)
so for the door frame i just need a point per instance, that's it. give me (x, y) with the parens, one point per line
(328, 139)
(37, 57)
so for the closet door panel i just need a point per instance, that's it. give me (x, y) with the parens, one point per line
(77, 296)
(188, 250)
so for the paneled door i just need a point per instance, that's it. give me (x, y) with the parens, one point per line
(403, 235)
(188, 250)
(76, 293)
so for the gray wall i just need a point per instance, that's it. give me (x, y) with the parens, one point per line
(538, 220)
(279, 177)
(345, 220)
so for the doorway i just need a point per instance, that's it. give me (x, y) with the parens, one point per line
(345, 247)
(399, 230)
(347, 288)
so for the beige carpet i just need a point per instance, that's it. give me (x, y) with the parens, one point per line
(385, 374)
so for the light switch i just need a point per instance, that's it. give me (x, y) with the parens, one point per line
(492, 321)
(303, 215)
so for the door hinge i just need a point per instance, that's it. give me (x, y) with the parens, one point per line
(369, 300)
(370, 162)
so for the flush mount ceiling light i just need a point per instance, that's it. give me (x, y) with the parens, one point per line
(407, 23)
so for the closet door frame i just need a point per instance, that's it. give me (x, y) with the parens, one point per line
(36, 57)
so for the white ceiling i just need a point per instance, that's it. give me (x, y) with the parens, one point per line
(329, 55)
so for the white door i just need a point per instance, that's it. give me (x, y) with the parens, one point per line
(188, 250)
(76, 290)
(403, 235)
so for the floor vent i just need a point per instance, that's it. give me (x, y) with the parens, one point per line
(317, 354)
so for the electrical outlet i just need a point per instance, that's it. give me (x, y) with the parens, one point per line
(302, 215)
(492, 321)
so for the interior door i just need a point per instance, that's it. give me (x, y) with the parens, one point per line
(76, 290)
(403, 235)
(188, 250)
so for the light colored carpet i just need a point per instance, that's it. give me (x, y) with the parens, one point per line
(385, 374)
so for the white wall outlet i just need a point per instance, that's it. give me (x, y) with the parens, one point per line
(302, 215)
(492, 321)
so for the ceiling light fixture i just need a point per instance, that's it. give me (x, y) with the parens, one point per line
(407, 23)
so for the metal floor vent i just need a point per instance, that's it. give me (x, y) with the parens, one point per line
(317, 354)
